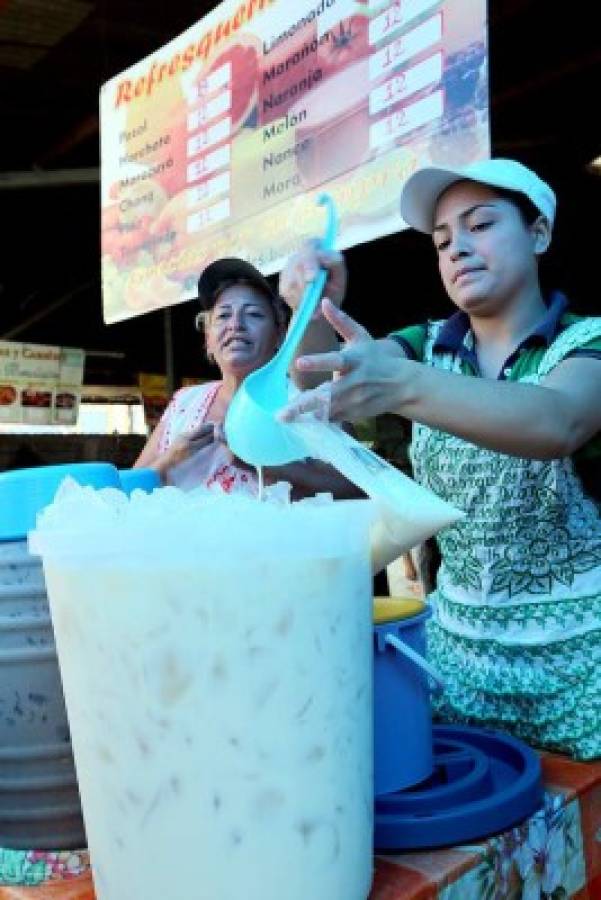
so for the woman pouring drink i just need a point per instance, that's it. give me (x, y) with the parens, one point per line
(504, 399)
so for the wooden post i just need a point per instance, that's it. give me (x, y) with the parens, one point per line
(169, 354)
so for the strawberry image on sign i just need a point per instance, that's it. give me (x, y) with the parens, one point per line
(348, 42)
(243, 62)
(144, 294)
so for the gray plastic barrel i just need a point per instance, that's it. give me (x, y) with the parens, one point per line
(39, 800)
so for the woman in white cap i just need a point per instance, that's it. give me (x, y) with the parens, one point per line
(505, 397)
(244, 321)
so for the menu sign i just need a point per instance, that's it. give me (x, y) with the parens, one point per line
(218, 144)
(39, 385)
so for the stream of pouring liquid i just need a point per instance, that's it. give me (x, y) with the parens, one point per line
(260, 479)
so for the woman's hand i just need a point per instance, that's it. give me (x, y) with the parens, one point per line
(184, 446)
(370, 376)
(311, 476)
(302, 268)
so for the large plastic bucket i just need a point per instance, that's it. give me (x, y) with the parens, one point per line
(216, 659)
(39, 799)
(403, 680)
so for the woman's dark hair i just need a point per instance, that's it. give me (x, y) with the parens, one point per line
(529, 213)
(526, 207)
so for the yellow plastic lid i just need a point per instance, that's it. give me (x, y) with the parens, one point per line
(388, 609)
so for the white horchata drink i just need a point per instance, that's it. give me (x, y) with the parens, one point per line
(216, 658)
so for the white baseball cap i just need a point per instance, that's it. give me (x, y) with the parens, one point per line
(421, 191)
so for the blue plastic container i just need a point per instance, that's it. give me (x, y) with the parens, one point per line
(139, 479)
(24, 492)
(403, 680)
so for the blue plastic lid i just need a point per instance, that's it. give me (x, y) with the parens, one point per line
(483, 782)
(139, 479)
(24, 492)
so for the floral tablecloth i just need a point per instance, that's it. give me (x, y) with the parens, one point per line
(554, 855)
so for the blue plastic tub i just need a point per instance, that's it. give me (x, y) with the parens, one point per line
(139, 479)
(25, 492)
(403, 680)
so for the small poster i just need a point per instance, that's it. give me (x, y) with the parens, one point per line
(39, 384)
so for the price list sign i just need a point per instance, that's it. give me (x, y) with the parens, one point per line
(218, 143)
(40, 385)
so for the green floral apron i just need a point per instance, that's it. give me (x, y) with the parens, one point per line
(517, 626)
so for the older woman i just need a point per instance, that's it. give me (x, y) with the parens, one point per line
(244, 322)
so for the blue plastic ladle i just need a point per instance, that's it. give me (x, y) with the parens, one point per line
(253, 433)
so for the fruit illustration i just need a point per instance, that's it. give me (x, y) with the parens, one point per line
(155, 126)
(243, 59)
(8, 395)
(457, 140)
(173, 221)
(145, 294)
(159, 125)
(125, 224)
(335, 131)
(348, 41)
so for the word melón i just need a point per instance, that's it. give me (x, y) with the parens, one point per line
(128, 89)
